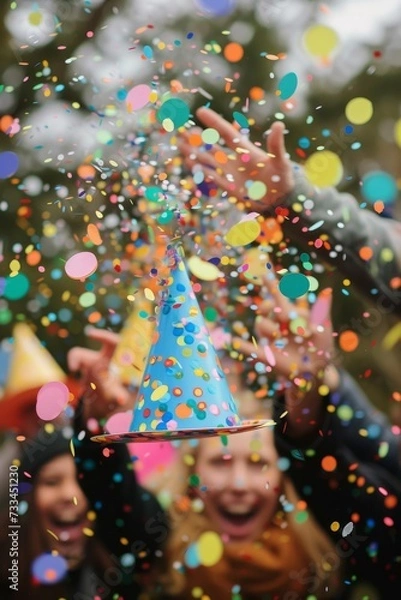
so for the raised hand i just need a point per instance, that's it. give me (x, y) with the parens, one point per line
(296, 344)
(240, 162)
(104, 394)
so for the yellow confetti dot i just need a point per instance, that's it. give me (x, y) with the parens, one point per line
(324, 169)
(210, 548)
(149, 295)
(159, 392)
(359, 111)
(397, 132)
(202, 269)
(320, 40)
(35, 18)
(243, 233)
(88, 532)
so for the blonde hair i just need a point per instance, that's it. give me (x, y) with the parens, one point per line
(176, 494)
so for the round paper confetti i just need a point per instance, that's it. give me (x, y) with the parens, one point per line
(16, 287)
(210, 135)
(348, 340)
(51, 400)
(320, 40)
(9, 163)
(329, 463)
(287, 86)
(217, 8)
(210, 548)
(191, 557)
(243, 233)
(202, 269)
(241, 119)
(81, 265)
(119, 423)
(324, 169)
(174, 110)
(379, 185)
(49, 569)
(293, 285)
(138, 97)
(257, 190)
(359, 111)
(233, 52)
(397, 132)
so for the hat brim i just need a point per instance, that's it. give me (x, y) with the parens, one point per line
(180, 434)
(13, 407)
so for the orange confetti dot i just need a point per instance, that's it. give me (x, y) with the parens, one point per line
(94, 317)
(86, 171)
(94, 234)
(365, 253)
(195, 139)
(233, 52)
(256, 93)
(378, 206)
(395, 283)
(348, 340)
(182, 411)
(221, 157)
(6, 122)
(391, 501)
(329, 464)
(271, 232)
(176, 86)
(33, 258)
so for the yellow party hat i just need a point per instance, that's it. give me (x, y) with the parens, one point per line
(30, 367)
(131, 353)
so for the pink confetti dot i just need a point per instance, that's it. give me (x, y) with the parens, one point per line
(138, 97)
(81, 265)
(51, 400)
(119, 423)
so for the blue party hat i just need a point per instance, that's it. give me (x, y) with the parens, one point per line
(183, 392)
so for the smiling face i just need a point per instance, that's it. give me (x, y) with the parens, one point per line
(61, 507)
(242, 479)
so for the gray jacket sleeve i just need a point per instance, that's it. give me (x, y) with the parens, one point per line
(344, 227)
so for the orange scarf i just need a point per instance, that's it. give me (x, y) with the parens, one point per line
(274, 565)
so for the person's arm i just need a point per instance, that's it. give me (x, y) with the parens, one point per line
(129, 519)
(346, 229)
(352, 483)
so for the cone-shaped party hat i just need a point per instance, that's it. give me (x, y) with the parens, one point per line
(131, 353)
(183, 392)
(30, 367)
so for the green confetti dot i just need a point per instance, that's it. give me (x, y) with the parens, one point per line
(194, 480)
(241, 119)
(345, 412)
(87, 299)
(16, 287)
(154, 194)
(176, 110)
(6, 316)
(294, 285)
(210, 136)
(302, 516)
